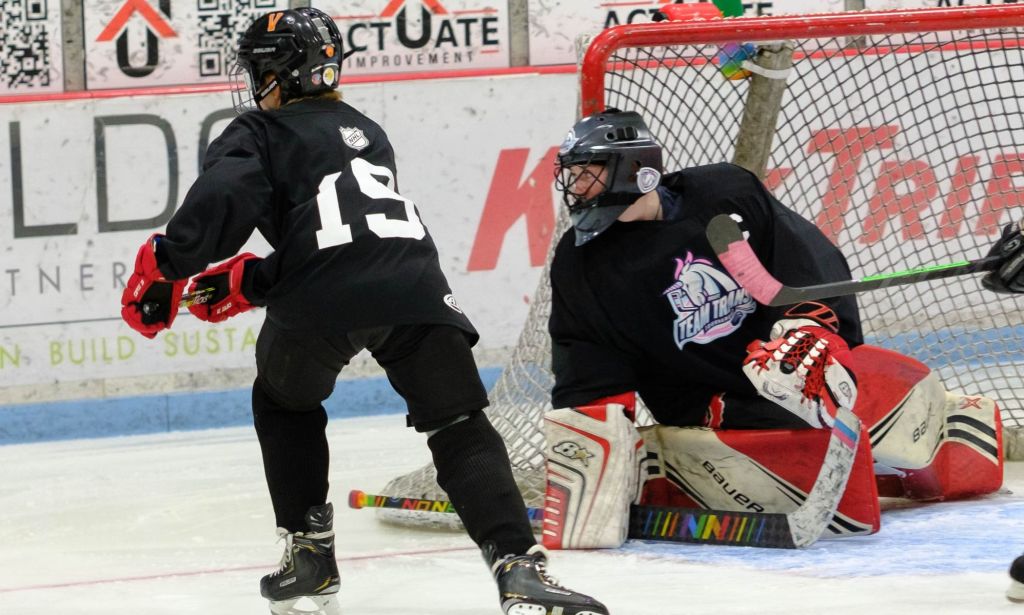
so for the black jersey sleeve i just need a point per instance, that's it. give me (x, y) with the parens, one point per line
(799, 254)
(585, 368)
(223, 206)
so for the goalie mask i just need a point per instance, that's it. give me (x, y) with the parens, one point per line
(300, 49)
(607, 161)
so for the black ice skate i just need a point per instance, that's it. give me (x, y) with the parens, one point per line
(525, 588)
(307, 581)
(1016, 591)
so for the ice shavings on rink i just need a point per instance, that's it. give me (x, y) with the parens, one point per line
(180, 524)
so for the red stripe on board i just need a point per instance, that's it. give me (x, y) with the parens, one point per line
(224, 87)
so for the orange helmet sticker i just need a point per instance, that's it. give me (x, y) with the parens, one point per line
(272, 20)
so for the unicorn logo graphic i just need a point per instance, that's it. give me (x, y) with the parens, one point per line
(707, 302)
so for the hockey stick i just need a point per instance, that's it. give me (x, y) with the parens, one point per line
(739, 259)
(201, 295)
(360, 499)
(663, 523)
(796, 529)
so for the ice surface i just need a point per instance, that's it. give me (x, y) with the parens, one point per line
(180, 523)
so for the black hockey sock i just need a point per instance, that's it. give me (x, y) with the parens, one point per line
(295, 457)
(473, 468)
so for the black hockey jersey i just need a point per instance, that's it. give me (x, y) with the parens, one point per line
(647, 306)
(317, 178)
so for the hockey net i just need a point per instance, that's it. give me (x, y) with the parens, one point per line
(900, 133)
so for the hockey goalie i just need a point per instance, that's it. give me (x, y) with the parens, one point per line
(743, 395)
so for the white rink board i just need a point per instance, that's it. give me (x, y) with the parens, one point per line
(61, 279)
(417, 36)
(556, 24)
(31, 48)
(164, 42)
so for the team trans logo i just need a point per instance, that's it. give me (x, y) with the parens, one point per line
(707, 302)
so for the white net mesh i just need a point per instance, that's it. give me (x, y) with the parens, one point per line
(906, 148)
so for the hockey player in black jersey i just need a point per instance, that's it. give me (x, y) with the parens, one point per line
(353, 267)
(641, 305)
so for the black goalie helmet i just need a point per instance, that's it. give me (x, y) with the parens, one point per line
(607, 161)
(300, 48)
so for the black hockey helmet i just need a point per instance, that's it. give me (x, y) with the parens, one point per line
(301, 49)
(621, 143)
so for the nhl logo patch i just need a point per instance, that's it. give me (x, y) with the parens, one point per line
(354, 138)
(449, 300)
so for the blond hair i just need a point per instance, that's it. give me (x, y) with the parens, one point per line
(329, 95)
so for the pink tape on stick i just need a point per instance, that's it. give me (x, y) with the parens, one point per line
(746, 268)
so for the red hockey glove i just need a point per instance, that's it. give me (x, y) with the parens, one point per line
(149, 302)
(803, 368)
(226, 299)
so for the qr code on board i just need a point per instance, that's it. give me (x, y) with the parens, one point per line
(221, 22)
(24, 43)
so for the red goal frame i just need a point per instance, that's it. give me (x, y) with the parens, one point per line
(747, 29)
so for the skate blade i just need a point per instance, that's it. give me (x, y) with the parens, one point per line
(536, 609)
(307, 605)
(1016, 592)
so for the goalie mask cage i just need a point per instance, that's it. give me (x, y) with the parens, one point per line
(899, 133)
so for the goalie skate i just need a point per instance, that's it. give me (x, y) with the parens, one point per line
(307, 581)
(525, 588)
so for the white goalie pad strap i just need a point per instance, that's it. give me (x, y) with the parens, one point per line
(593, 473)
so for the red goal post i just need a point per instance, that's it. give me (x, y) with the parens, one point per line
(852, 24)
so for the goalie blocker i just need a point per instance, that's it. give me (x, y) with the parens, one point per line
(921, 443)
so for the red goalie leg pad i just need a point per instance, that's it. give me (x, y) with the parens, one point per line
(884, 379)
(928, 444)
(969, 461)
(785, 463)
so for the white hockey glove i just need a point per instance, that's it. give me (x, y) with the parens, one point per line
(593, 469)
(802, 367)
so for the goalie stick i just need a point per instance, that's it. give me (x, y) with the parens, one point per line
(739, 259)
(799, 528)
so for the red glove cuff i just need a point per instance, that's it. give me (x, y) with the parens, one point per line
(142, 294)
(228, 299)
